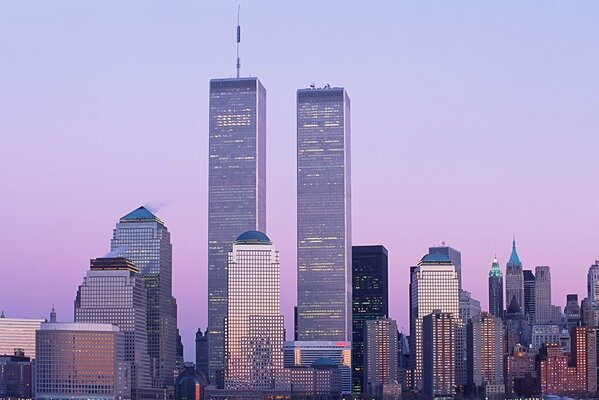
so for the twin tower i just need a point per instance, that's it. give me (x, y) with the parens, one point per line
(237, 203)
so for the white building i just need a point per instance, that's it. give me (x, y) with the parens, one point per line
(18, 333)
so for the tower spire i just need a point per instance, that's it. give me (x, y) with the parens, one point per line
(238, 40)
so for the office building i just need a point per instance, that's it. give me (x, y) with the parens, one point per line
(516, 326)
(254, 329)
(571, 311)
(434, 286)
(543, 311)
(496, 290)
(380, 355)
(438, 354)
(370, 300)
(202, 352)
(544, 333)
(514, 279)
(520, 372)
(584, 356)
(15, 376)
(593, 282)
(556, 375)
(143, 238)
(305, 353)
(113, 292)
(18, 334)
(529, 295)
(81, 361)
(454, 255)
(324, 259)
(236, 190)
(485, 354)
(469, 307)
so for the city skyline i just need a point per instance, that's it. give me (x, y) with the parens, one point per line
(550, 212)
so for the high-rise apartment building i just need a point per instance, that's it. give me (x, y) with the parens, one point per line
(434, 286)
(143, 238)
(543, 311)
(469, 307)
(370, 300)
(18, 333)
(593, 282)
(254, 329)
(81, 361)
(324, 259)
(438, 354)
(496, 290)
(485, 352)
(236, 190)
(380, 355)
(113, 292)
(454, 255)
(529, 295)
(514, 279)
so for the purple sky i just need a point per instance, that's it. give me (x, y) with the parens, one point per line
(470, 122)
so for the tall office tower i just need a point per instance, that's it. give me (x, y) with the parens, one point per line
(517, 328)
(15, 376)
(571, 311)
(454, 255)
(380, 355)
(180, 358)
(113, 292)
(370, 300)
(18, 333)
(593, 282)
(496, 290)
(529, 295)
(434, 286)
(543, 311)
(514, 279)
(202, 352)
(469, 307)
(584, 355)
(254, 330)
(324, 278)
(236, 190)
(143, 238)
(485, 353)
(81, 361)
(438, 354)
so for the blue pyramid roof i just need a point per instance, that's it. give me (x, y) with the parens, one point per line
(139, 214)
(514, 260)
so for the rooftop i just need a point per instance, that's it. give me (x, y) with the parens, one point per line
(252, 237)
(435, 259)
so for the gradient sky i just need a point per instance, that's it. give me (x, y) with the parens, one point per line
(471, 122)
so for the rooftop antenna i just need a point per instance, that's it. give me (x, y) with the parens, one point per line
(238, 40)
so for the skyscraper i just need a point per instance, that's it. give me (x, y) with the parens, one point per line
(485, 352)
(113, 292)
(454, 255)
(469, 307)
(324, 281)
(438, 354)
(572, 311)
(236, 190)
(254, 331)
(202, 352)
(543, 311)
(496, 290)
(434, 286)
(529, 295)
(593, 283)
(370, 300)
(143, 238)
(380, 355)
(514, 279)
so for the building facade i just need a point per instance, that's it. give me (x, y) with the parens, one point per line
(81, 361)
(324, 259)
(143, 238)
(514, 279)
(370, 300)
(254, 328)
(496, 290)
(469, 307)
(485, 351)
(438, 354)
(15, 377)
(543, 311)
(202, 352)
(236, 190)
(454, 255)
(571, 311)
(380, 355)
(529, 295)
(593, 282)
(18, 333)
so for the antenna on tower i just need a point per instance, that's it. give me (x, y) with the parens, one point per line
(238, 40)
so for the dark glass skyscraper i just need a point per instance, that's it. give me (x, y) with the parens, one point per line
(370, 300)
(143, 238)
(324, 281)
(236, 190)
(529, 295)
(496, 290)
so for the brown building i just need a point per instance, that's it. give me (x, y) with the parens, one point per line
(520, 372)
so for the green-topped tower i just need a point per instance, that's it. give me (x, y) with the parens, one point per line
(514, 279)
(496, 290)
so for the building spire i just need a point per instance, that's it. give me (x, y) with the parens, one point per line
(53, 314)
(514, 261)
(2, 316)
(238, 40)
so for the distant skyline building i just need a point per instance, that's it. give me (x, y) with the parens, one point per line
(486, 353)
(496, 290)
(438, 354)
(454, 255)
(593, 282)
(380, 355)
(324, 252)
(572, 311)
(543, 311)
(16, 379)
(81, 361)
(529, 295)
(254, 327)
(433, 286)
(370, 300)
(18, 333)
(113, 292)
(514, 279)
(202, 352)
(469, 308)
(143, 238)
(236, 190)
